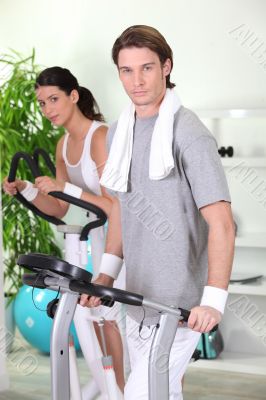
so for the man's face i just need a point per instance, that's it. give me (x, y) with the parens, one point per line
(143, 78)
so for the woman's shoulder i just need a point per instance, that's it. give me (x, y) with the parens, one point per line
(101, 128)
(99, 133)
(98, 140)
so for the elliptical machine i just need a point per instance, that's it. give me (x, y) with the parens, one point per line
(76, 253)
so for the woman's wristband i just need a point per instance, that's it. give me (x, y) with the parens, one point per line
(111, 265)
(214, 297)
(29, 192)
(72, 190)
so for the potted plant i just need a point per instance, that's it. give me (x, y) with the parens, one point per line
(22, 128)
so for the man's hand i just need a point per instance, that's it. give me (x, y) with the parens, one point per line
(45, 184)
(204, 318)
(92, 301)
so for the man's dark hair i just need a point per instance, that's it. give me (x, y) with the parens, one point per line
(144, 36)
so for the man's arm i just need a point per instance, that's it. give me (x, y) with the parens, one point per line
(112, 258)
(113, 245)
(220, 259)
(114, 234)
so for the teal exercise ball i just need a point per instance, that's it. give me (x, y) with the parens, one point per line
(35, 325)
(89, 266)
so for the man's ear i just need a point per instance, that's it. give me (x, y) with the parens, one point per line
(74, 95)
(167, 66)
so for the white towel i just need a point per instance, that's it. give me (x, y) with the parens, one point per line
(115, 174)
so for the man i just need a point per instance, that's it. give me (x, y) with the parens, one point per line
(171, 220)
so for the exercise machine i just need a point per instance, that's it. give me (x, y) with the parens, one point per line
(56, 274)
(75, 238)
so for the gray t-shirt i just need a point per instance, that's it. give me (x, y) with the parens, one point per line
(163, 232)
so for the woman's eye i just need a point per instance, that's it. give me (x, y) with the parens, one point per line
(53, 99)
(41, 104)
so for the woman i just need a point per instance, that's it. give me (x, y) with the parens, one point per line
(80, 159)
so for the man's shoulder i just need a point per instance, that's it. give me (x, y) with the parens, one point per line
(188, 128)
(110, 133)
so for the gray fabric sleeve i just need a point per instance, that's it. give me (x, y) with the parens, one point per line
(204, 171)
(109, 139)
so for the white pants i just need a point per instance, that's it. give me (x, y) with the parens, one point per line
(183, 347)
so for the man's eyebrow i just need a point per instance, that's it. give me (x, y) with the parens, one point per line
(143, 65)
(123, 67)
(149, 63)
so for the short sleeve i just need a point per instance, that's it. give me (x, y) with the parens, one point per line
(204, 171)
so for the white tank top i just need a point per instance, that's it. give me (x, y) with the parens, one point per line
(84, 174)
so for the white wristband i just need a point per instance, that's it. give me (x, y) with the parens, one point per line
(111, 265)
(72, 190)
(214, 297)
(29, 192)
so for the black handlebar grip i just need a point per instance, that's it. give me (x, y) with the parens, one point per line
(185, 314)
(33, 166)
(41, 152)
(107, 302)
(14, 165)
(122, 296)
(21, 155)
(102, 217)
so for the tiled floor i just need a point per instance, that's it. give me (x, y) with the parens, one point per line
(199, 384)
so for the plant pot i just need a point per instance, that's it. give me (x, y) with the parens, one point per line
(9, 323)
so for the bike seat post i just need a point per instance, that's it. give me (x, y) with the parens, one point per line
(159, 357)
(59, 346)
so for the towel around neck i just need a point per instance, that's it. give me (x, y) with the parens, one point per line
(161, 162)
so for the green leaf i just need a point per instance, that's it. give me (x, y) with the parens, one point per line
(22, 128)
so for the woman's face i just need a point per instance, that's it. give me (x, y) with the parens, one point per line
(56, 105)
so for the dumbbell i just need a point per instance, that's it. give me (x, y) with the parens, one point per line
(226, 151)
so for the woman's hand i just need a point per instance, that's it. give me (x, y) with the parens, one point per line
(45, 184)
(13, 188)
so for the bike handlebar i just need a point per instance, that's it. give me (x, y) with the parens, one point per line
(21, 155)
(32, 163)
(41, 152)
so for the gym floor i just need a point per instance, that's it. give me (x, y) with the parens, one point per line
(199, 384)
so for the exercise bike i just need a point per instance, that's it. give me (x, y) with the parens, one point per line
(56, 274)
(75, 238)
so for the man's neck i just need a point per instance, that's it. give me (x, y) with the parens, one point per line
(149, 110)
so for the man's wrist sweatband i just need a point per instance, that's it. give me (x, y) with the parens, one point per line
(111, 265)
(72, 190)
(29, 192)
(214, 297)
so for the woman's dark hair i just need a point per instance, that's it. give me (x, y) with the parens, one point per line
(62, 77)
(144, 36)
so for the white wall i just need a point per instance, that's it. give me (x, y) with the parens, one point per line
(211, 68)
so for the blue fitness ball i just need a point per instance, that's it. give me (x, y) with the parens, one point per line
(89, 266)
(35, 325)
